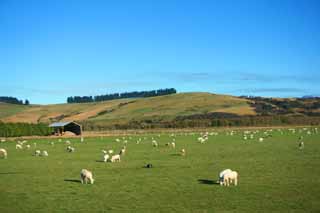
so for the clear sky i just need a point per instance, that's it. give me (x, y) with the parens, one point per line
(52, 49)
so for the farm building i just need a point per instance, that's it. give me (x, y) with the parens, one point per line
(61, 127)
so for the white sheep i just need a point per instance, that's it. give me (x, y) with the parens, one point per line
(221, 175)
(110, 151)
(301, 145)
(105, 157)
(173, 144)
(70, 149)
(183, 152)
(37, 153)
(28, 146)
(44, 153)
(154, 143)
(104, 151)
(260, 139)
(115, 158)
(230, 177)
(68, 142)
(18, 146)
(201, 139)
(4, 153)
(86, 176)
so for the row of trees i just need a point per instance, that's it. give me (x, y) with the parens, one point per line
(24, 129)
(13, 100)
(107, 97)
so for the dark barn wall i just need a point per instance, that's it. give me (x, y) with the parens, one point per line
(72, 127)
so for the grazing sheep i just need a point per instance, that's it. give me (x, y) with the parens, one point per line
(3, 140)
(4, 153)
(115, 158)
(86, 176)
(104, 151)
(18, 146)
(301, 145)
(260, 139)
(154, 143)
(52, 143)
(201, 140)
(183, 152)
(82, 139)
(68, 142)
(173, 144)
(230, 177)
(37, 153)
(70, 149)
(105, 157)
(149, 165)
(110, 151)
(44, 153)
(28, 146)
(221, 175)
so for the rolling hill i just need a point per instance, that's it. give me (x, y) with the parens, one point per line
(123, 110)
(167, 109)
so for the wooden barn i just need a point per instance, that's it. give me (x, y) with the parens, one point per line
(61, 127)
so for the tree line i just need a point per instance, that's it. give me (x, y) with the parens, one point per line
(24, 129)
(13, 100)
(113, 96)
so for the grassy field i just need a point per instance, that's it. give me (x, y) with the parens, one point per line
(275, 176)
(7, 110)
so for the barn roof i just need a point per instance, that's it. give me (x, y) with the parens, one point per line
(60, 124)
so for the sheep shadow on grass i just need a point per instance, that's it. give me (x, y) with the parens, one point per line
(73, 180)
(208, 182)
(176, 154)
(10, 173)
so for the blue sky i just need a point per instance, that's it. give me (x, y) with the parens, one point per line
(52, 49)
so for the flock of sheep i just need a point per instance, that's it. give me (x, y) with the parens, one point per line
(226, 177)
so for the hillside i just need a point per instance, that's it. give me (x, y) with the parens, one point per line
(124, 110)
(175, 110)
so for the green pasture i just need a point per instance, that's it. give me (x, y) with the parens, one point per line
(274, 175)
